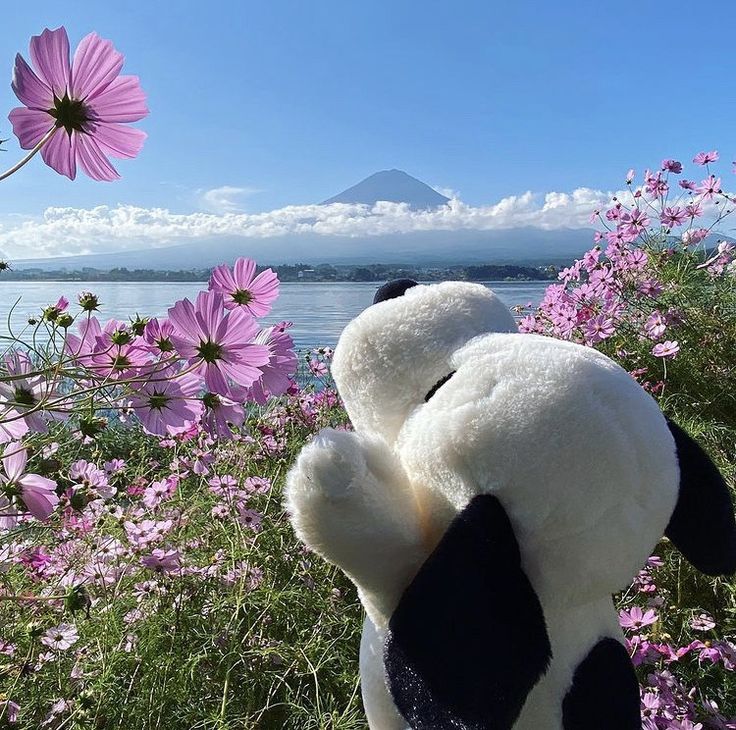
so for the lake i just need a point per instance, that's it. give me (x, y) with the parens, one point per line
(319, 310)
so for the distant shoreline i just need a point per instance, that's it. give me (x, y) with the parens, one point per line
(301, 273)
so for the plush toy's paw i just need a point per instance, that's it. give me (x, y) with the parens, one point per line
(331, 464)
(349, 500)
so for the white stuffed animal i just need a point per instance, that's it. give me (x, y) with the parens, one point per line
(497, 489)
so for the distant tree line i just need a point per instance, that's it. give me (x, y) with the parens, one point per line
(301, 272)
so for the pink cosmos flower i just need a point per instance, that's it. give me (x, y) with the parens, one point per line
(249, 517)
(674, 216)
(157, 335)
(93, 479)
(654, 184)
(257, 485)
(636, 619)
(9, 711)
(598, 329)
(218, 346)
(703, 158)
(28, 392)
(158, 491)
(649, 705)
(110, 352)
(163, 561)
(620, 236)
(140, 534)
(87, 102)
(694, 236)
(672, 166)
(317, 367)
(114, 466)
(564, 319)
(52, 312)
(276, 373)
(709, 187)
(61, 637)
(590, 258)
(650, 288)
(240, 287)
(222, 411)
(634, 222)
(668, 348)
(687, 184)
(167, 401)
(703, 622)
(694, 210)
(37, 493)
(117, 353)
(655, 325)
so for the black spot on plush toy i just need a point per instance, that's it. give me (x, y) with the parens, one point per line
(497, 489)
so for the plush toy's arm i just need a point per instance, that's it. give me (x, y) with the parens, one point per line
(349, 500)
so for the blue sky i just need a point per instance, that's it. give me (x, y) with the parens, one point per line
(291, 102)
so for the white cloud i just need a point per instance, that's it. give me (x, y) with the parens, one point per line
(70, 231)
(226, 198)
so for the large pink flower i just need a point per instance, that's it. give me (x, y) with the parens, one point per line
(87, 101)
(167, 401)
(217, 345)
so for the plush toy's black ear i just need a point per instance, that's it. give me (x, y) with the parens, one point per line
(702, 527)
(393, 289)
(468, 639)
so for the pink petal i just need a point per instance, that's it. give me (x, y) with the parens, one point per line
(12, 427)
(29, 125)
(222, 279)
(242, 327)
(92, 160)
(58, 154)
(119, 140)
(39, 495)
(244, 270)
(14, 460)
(96, 64)
(183, 318)
(209, 306)
(50, 56)
(122, 100)
(214, 379)
(29, 88)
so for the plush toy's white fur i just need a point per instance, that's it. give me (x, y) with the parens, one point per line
(578, 454)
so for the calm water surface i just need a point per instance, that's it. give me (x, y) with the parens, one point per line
(319, 310)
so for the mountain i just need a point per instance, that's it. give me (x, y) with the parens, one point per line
(392, 185)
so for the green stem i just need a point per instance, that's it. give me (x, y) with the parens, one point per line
(31, 154)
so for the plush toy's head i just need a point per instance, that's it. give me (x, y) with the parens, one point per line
(390, 357)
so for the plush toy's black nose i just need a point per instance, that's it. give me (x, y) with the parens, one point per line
(393, 289)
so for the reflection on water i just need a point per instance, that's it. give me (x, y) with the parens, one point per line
(319, 310)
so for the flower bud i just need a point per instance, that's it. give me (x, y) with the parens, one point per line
(88, 301)
(138, 325)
